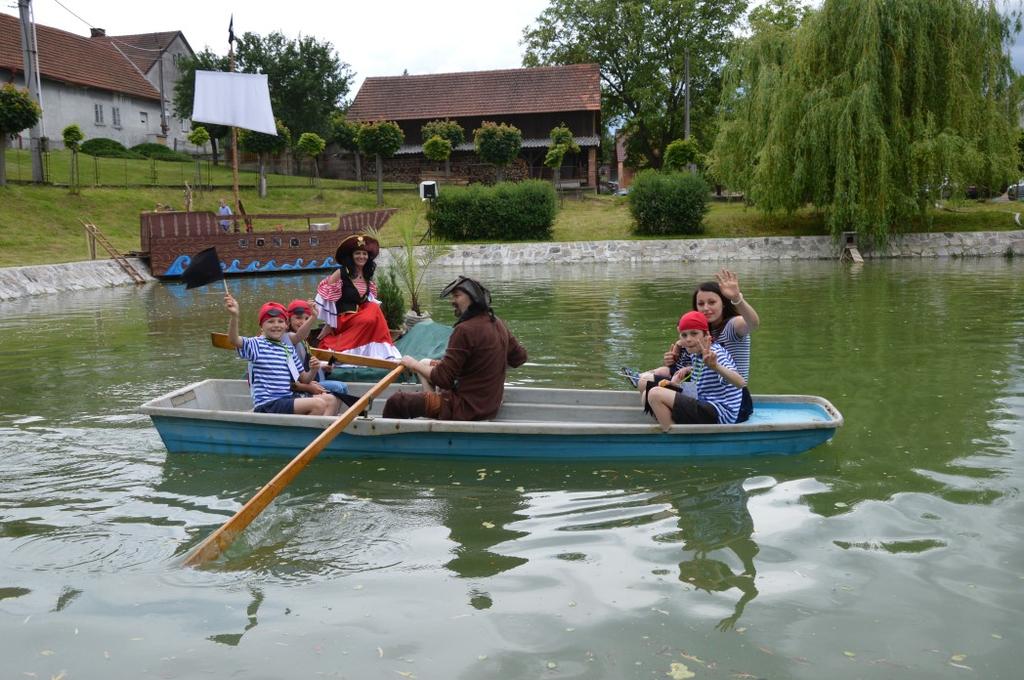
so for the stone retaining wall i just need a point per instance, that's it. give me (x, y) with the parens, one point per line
(949, 244)
(18, 282)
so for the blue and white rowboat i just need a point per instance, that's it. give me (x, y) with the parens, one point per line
(215, 416)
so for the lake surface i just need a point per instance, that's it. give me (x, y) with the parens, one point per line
(893, 551)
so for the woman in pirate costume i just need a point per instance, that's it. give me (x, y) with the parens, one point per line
(347, 303)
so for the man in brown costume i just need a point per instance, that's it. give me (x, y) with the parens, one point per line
(471, 375)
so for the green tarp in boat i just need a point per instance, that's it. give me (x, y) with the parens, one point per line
(424, 340)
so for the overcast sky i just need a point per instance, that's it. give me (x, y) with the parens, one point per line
(376, 38)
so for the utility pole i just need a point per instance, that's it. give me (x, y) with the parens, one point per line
(686, 77)
(31, 70)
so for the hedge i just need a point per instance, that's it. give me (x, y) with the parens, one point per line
(668, 203)
(107, 148)
(160, 152)
(523, 211)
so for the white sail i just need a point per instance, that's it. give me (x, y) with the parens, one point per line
(238, 99)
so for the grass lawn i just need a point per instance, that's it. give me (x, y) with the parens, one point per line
(130, 173)
(40, 224)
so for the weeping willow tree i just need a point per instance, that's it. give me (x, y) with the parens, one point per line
(865, 108)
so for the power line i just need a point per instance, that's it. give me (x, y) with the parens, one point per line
(128, 45)
(73, 14)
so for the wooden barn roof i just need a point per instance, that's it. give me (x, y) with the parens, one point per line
(544, 89)
(74, 59)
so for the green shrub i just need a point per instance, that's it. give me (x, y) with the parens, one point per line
(680, 153)
(107, 148)
(72, 136)
(668, 203)
(160, 152)
(392, 304)
(523, 211)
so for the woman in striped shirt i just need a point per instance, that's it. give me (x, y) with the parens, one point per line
(731, 320)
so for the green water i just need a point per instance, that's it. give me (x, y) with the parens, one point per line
(895, 551)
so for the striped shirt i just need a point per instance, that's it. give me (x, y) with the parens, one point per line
(328, 293)
(272, 367)
(737, 345)
(711, 386)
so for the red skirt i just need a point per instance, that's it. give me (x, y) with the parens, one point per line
(366, 330)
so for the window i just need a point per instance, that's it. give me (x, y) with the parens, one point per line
(115, 116)
(98, 112)
(186, 124)
(144, 117)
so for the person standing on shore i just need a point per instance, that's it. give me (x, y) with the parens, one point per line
(225, 209)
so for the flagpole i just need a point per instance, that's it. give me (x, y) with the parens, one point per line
(234, 130)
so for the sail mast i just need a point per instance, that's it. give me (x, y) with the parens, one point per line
(234, 130)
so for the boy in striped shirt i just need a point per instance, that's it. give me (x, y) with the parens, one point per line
(714, 391)
(273, 365)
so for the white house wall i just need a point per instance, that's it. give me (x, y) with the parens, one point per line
(177, 129)
(64, 104)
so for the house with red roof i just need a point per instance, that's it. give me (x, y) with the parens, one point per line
(118, 87)
(535, 100)
(157, 56)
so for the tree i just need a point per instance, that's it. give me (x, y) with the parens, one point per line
(562, 142)
(261, 144)
(198, 137)
(185, 92)
(448, 130)
(642, 50)
(680, 154)
(1020, 151)
(497, 144)
(380, 140)
(866, 109)
(781, 14)
(73, 136)
(17, 112)
(307, 79)
(438, 149)
(311, 144)
(346, 135)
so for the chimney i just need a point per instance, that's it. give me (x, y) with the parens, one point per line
(98, 32)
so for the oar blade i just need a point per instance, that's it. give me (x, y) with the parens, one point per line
(219, 540)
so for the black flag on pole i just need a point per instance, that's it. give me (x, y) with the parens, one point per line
(203, 269)
(231, 30)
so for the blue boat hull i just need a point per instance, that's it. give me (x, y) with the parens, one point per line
(534, 424)
(183, 435)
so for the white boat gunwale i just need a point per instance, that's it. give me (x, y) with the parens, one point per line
(171, 405)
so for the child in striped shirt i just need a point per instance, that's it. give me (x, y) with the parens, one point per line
(715, 387)
(274, 364)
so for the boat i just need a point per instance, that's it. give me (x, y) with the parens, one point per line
(169, 239)
(215, 416)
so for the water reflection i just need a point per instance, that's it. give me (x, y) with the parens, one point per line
(349, 517)
(233, 639)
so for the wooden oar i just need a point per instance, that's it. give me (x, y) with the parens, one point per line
(220, 340)
(220, 539)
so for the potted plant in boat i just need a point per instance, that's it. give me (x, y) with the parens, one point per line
(411, 263)
(392, 303)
